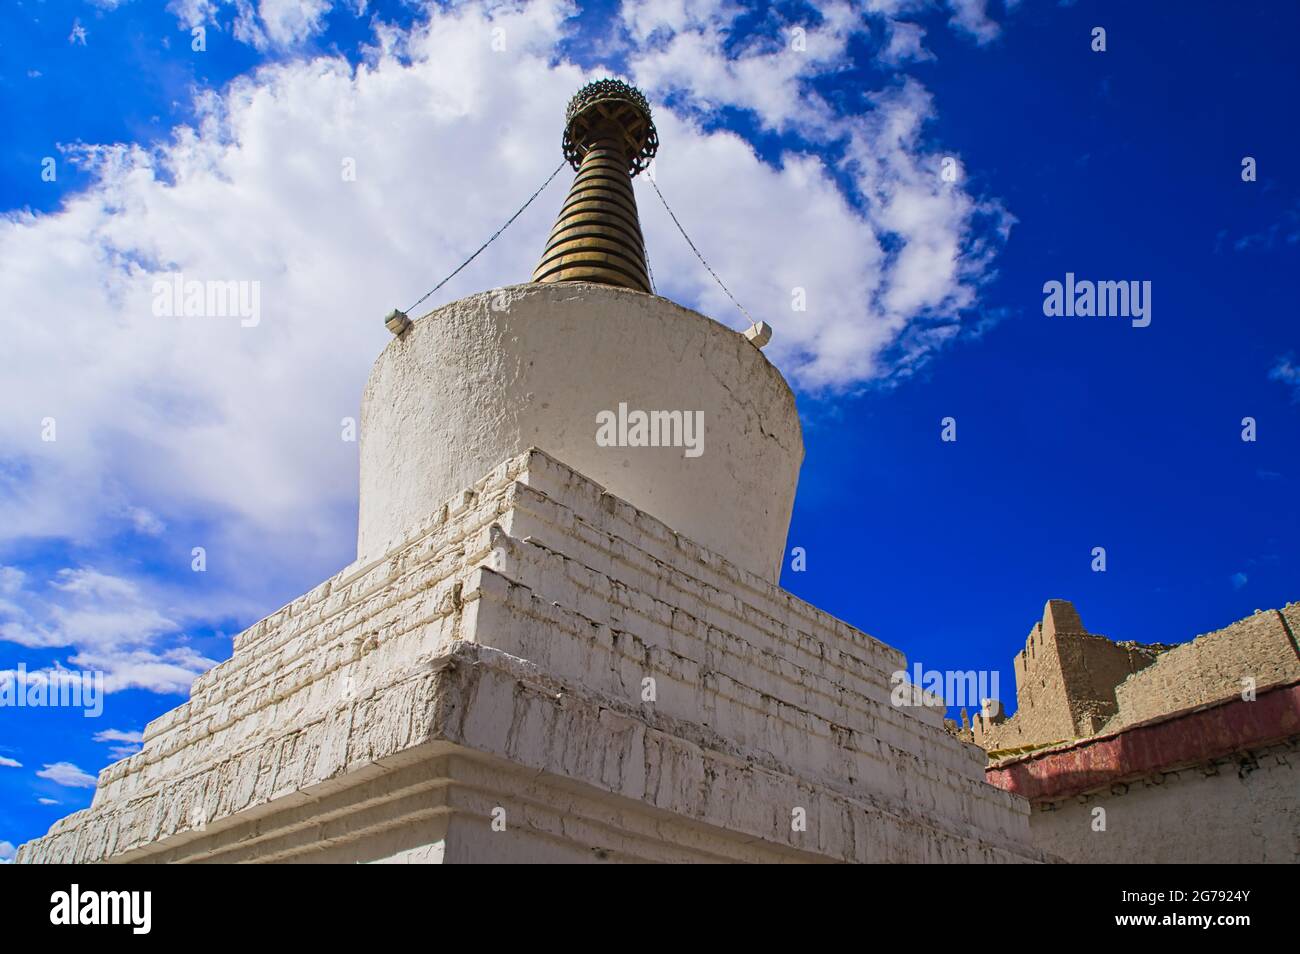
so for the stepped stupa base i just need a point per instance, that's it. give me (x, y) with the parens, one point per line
(545, 673)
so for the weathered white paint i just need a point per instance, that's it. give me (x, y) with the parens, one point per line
(496, 658)
(1238, 810)
(485, 378)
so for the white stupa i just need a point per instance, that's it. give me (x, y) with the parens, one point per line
(559, 642)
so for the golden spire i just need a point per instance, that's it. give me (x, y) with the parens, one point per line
(608, 138)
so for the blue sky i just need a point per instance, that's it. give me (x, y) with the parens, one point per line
(814, 169)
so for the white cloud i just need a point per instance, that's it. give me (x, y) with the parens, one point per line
(1287, 372)
(11, 580)
(88, 608)
(119, 735)
(7, 852)
(132, 740)
(103, 611)
(192, 13)
(200, 432)
(906, 44)
(650, 18)
(68, 775)
(48, 801)
(9, 763)
(145, 522)
(279, 23)
(971, 16)
(112, 625)
(166, 671)
(262, 24)
(686, 55)
(886, 269)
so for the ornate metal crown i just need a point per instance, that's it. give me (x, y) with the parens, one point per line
(606, 106)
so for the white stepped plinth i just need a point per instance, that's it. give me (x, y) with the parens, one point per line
(492, 667)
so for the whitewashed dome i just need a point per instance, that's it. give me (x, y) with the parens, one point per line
(487, 377)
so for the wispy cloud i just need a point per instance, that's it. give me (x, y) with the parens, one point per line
(67, 774)
(280, 24)
(906, 44)
(1282, 233)
(1287, 372)
(971, 16)
(10, 763)
(109, 623)
(118, 735)
(264, 24)
(133, 742)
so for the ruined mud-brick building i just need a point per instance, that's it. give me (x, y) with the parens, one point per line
(580, 654)
(1155, 753)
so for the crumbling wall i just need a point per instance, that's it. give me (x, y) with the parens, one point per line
(1291, 617)
(1260, 648)
(1071, 684)
(1092, 666)
(1042, 707)
(1065, 683)
(1040, 685)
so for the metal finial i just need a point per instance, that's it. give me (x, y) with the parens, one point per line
(608, 138)
(610, 106)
